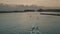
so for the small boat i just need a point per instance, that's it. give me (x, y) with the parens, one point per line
(35, 30)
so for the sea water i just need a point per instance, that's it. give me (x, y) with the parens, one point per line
(21, 23)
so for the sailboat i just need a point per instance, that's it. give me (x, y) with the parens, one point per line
(35, 30)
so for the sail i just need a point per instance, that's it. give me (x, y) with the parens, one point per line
(35, 30)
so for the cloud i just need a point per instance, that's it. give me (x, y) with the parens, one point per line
(17, 7)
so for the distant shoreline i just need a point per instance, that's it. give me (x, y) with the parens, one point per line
(41, 12)
(25, 11)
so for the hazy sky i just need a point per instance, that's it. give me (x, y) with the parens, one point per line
(47, 3)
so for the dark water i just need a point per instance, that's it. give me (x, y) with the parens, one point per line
(21, 23)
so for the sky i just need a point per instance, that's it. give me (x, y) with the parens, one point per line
(46, 3)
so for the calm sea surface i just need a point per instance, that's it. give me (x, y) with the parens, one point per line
(21, 23)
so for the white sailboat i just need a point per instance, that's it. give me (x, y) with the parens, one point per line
(35, 30)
